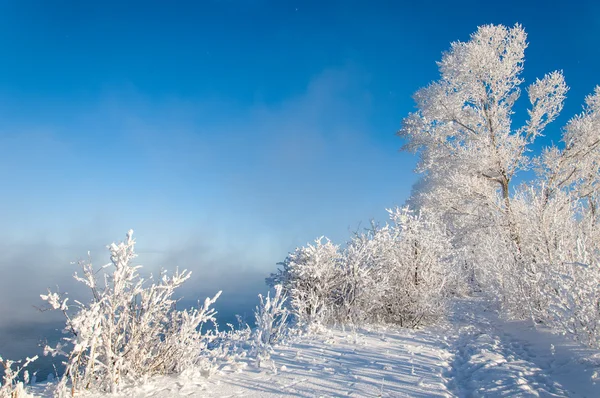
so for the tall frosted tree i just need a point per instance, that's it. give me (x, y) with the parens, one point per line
(463, 128)
(534, 245)
(463, 125)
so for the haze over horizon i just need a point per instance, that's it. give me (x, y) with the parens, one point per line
(225, 133)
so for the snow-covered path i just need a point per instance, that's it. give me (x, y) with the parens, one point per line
(336, 364)
(475, 354)
(492, 357)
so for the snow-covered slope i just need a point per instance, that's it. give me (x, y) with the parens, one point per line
(474, 354)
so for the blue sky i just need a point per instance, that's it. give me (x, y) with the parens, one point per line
(226, 133)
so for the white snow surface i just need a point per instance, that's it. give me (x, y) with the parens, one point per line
(473, 354)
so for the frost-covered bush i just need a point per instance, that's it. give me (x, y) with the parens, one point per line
(230, 348)
(310, 277)
(574, 303)
(561, 255)
(558, 227)
(427, 272)
(130, 329)
(270, 323)
(360, 263)
(400, 273)
(11, 386)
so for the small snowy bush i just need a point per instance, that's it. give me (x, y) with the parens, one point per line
(230, 348)
(130, 329)
(270, 316)
(11, 386)
(311, 278)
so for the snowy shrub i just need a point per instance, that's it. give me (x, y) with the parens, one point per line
(574, 307)
(563, 272)
(400, 273)
(310, 277)
(130, 329)
(355, 303)
(11, 386)
(270, 323)
(229, 349)
(426, 271)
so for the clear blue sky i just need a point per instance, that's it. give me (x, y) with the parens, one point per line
(228, 132)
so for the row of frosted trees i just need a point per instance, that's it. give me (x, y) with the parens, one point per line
(534, 247)
(400, 273)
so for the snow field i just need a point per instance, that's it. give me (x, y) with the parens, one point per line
(337, 364)
(474, 354)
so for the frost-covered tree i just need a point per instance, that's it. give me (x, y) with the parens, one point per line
(560, 224)
(130, 329)
(575, 167)
(463, 127)
(535, 246)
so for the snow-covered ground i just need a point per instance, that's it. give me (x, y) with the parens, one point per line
(492, 357)
(474, 354)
